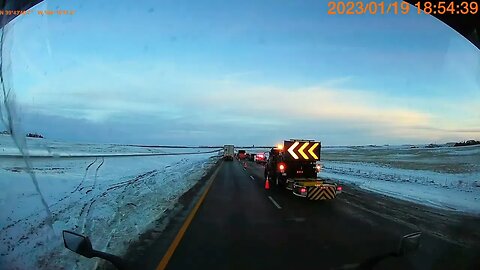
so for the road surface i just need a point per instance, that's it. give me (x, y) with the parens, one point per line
(240, 225)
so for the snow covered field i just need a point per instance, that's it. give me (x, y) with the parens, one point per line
(111, 199)
(47, 148)
(445, 177)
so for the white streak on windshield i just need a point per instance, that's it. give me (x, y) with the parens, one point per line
(9, 116)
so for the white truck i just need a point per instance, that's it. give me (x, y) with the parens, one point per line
(228, 150)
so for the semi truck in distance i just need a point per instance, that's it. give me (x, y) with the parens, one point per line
(228, 150)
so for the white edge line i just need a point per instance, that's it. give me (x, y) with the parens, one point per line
(252, 177)
(274, 202)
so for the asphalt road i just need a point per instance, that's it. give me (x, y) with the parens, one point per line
(240, 225)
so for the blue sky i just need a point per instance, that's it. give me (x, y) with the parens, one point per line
(242, 72)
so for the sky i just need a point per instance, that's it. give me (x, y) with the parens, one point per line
(241, 72)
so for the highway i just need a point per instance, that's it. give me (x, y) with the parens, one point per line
(232, 222)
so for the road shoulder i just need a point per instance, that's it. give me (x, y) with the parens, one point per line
(148, 251)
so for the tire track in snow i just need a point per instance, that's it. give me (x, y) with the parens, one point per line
(96, 175)
(63, 209)
(85, 175)
(125, 184)
(54, 213)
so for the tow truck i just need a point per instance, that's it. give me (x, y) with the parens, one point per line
(293, 166)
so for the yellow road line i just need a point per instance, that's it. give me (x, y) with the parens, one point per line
(171, 249)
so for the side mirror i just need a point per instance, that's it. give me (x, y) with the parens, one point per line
(78, 244)
(409, 243)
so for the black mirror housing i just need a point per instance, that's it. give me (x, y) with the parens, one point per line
(78, 243)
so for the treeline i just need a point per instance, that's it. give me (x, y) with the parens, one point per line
(34, 135)
(465, 143)
(29, 135)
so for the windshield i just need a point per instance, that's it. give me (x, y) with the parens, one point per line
(117, 121)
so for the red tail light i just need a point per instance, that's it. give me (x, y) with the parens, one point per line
(282, 167)
(303, 190)
(339, 188)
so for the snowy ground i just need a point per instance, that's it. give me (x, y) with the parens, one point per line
(111, 199)
(445, 177)
(47, 148)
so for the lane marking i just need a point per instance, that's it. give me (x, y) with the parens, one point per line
(274, 202)
(252, 177)
(171, 249)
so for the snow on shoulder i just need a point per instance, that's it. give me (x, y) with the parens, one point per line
(111, 199)
(444, 177)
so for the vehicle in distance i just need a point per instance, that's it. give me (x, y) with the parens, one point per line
(228, 150)
(242, 154)
(293, 166)
(260, 158)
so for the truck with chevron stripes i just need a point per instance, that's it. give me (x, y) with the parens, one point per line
(293, 166)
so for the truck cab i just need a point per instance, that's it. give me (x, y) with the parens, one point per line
(293, 166)
(279, 168)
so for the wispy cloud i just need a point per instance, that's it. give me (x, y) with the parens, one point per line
(115, 90)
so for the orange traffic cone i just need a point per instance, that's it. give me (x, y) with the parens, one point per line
(267, 184)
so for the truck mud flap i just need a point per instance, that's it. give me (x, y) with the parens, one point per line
(321, 193)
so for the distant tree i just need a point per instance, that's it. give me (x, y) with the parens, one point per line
(34, 135)
(466, 143)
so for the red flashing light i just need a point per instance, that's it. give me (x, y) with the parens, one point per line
(303, 190)
(339, 188)
(282, 167)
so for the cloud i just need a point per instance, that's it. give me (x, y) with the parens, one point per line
(318, 103)
(180, 101)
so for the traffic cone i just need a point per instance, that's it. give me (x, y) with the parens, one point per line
(267, 184)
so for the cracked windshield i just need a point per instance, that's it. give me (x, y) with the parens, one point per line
(239, 134)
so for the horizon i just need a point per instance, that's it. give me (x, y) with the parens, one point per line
(243, 73)
(242, 146)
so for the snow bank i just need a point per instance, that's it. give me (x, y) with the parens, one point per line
(110, 199)
(447, 177)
